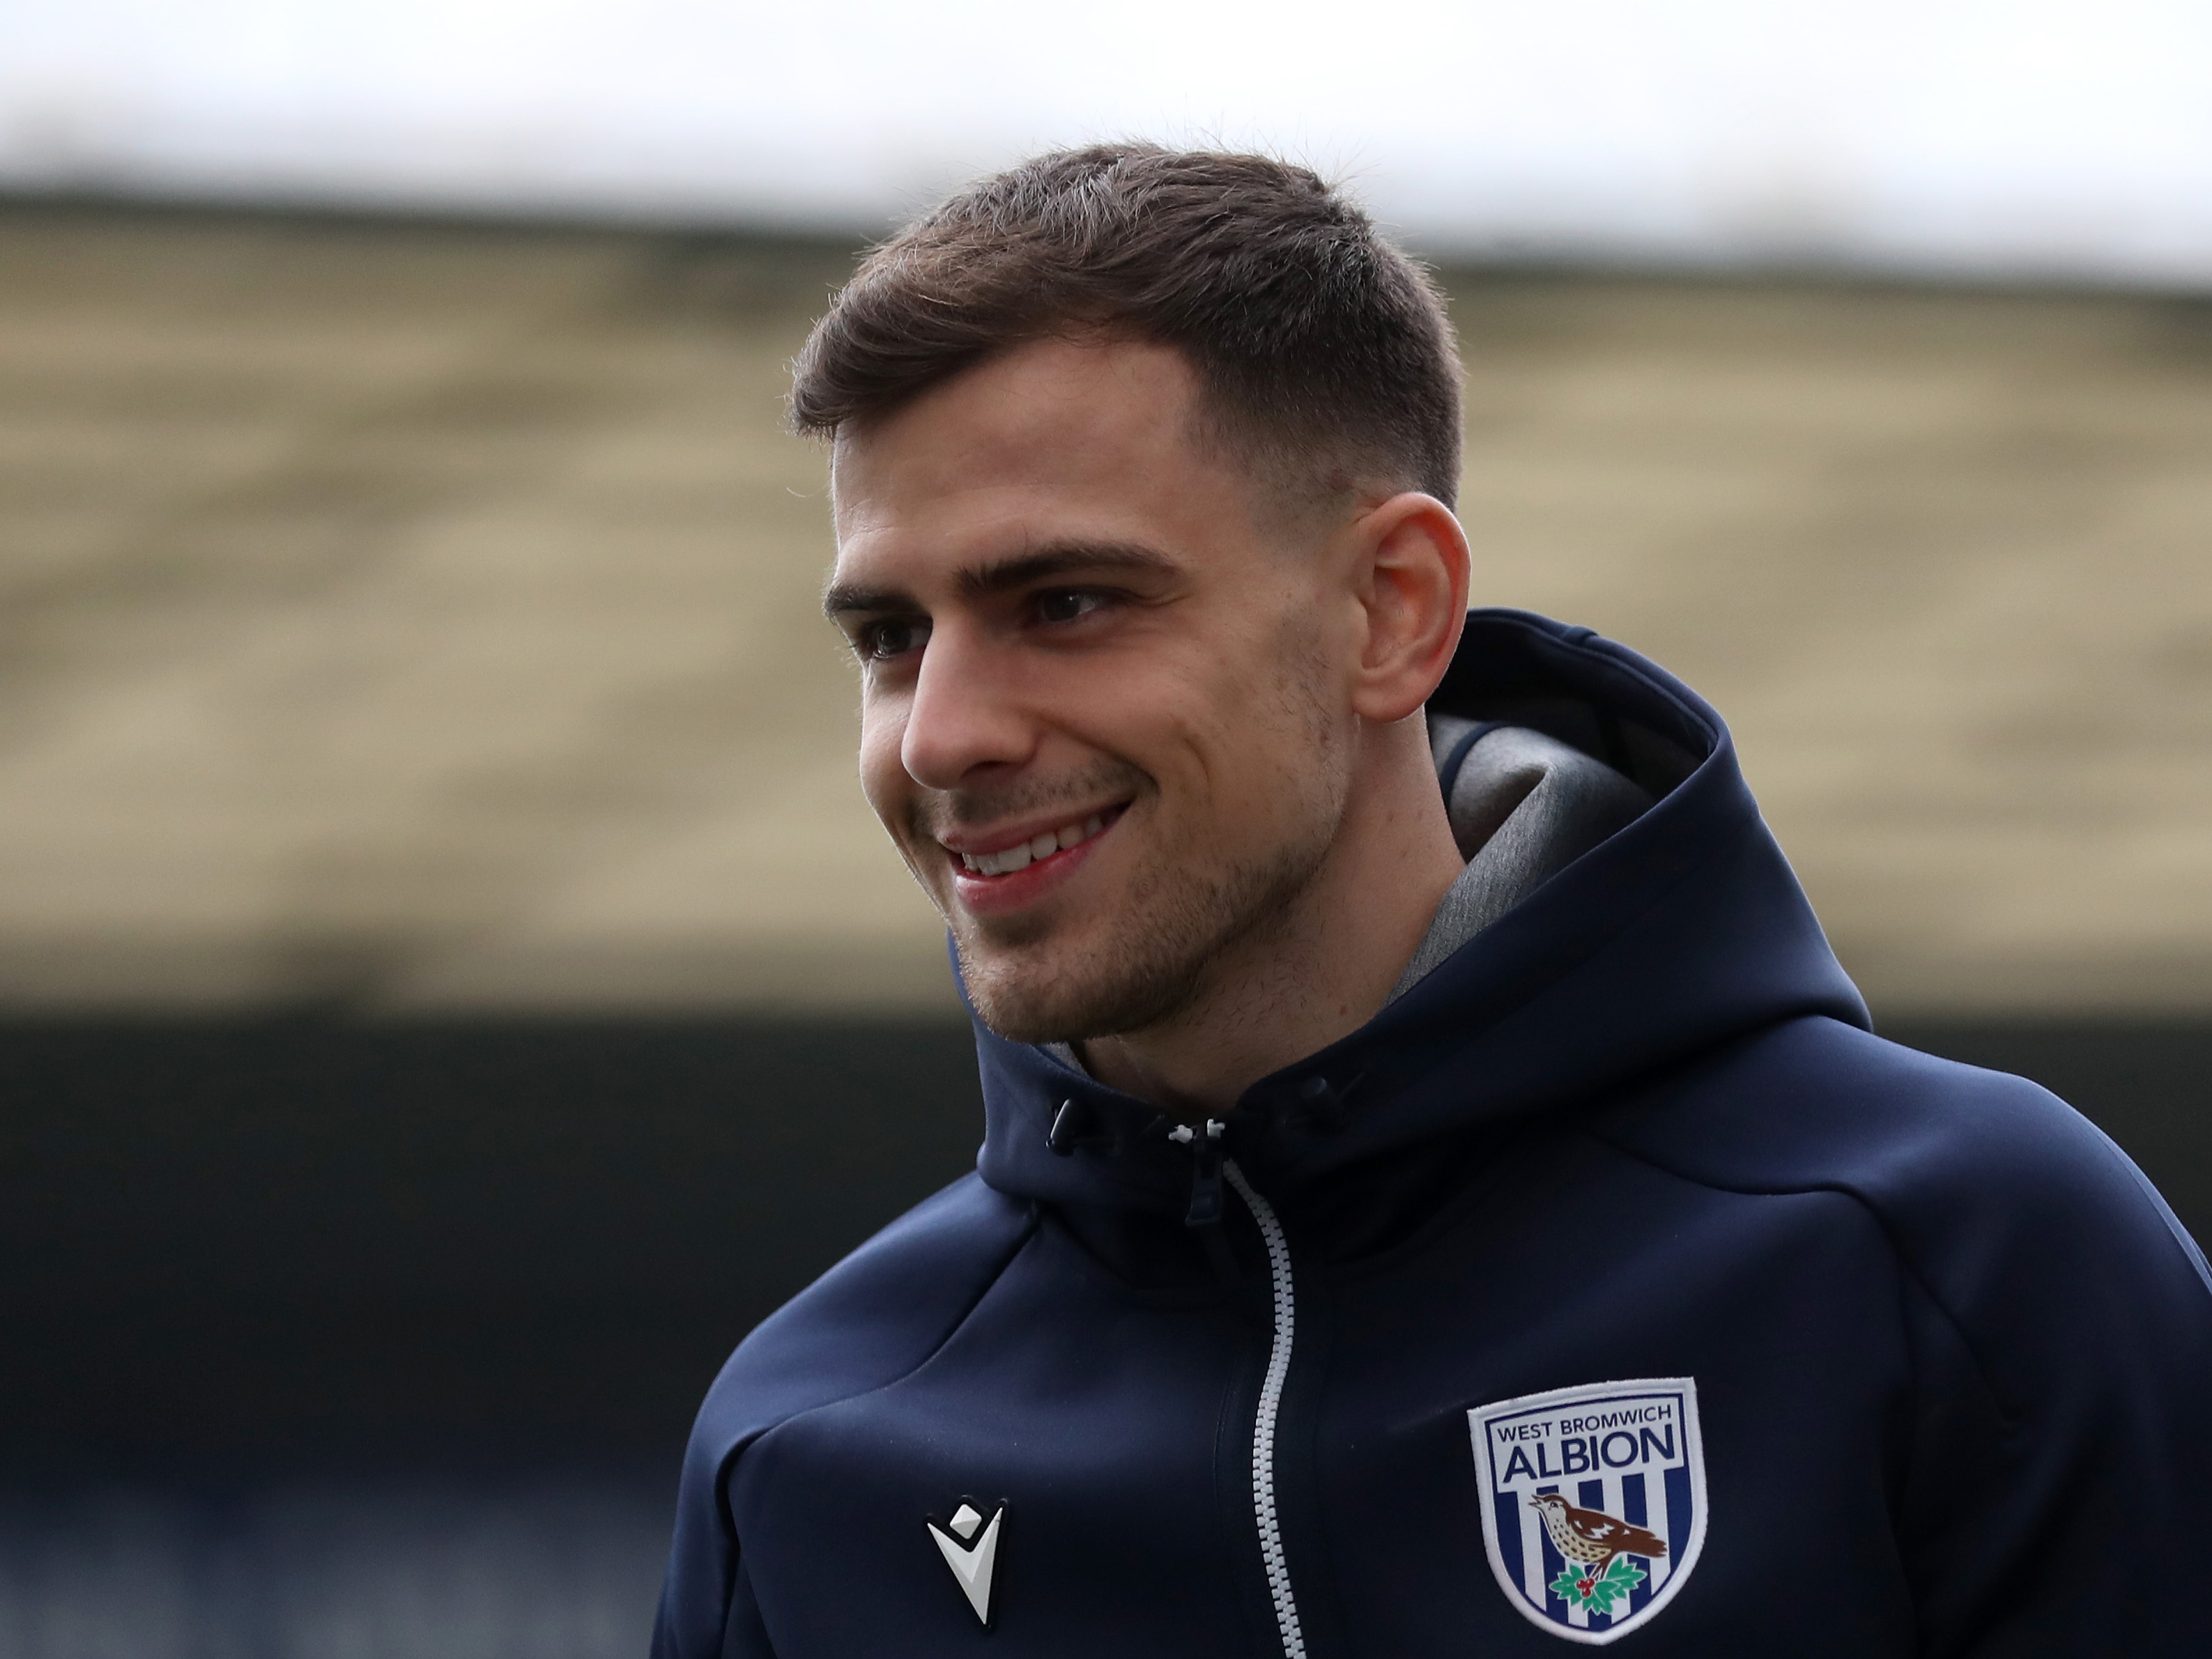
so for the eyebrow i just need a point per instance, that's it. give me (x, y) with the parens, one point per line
(1065, 558)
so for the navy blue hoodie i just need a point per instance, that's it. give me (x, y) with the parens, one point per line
(1614, 1283)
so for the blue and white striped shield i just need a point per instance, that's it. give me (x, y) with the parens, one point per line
(1594, 1508)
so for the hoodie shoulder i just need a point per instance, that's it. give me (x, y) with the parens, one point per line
(873, 1318)
(2018, 1217)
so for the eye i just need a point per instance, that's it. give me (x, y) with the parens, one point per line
(1067, 604)
(894, 636)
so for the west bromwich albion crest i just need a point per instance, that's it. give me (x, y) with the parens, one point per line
(1593, 1501)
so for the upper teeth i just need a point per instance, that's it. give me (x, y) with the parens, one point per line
(1020, 855)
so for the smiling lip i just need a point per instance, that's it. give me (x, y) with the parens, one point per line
(1012, 872)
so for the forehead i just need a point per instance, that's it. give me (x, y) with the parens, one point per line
(1052, 440)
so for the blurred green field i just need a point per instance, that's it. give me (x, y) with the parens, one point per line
(421, 618)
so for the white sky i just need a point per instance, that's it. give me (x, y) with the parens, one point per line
(2066, 138)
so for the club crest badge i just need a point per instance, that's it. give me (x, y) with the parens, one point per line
(1593, 1501)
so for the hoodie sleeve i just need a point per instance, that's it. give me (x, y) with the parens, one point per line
(2054, 1444)
(2061, 1325)
(869, 1321)
(697, 1596)
(706, 1584)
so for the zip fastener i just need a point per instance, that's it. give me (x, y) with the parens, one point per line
(1271, 1405)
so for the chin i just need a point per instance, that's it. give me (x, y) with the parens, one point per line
(1069, 995)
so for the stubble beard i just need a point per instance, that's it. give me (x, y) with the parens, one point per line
(1154, 965)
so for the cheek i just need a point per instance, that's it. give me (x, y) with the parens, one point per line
(1273, 744)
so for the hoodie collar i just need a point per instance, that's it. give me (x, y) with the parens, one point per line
(1682, 931)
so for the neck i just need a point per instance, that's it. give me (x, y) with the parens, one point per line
(1319, 970)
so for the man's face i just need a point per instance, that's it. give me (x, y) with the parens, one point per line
(1104, 712)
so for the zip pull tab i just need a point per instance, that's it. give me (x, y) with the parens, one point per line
(1204, 1171)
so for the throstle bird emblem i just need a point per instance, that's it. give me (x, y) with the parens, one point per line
(1592, 1536)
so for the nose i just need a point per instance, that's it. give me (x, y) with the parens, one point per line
(965, 717)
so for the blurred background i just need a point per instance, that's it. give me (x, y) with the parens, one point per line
(450, 984)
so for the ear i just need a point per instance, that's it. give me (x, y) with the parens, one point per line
(1411, 576)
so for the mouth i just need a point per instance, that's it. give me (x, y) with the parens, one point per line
(1001, 869)
(1035, 849)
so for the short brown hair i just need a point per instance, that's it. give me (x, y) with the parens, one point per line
(1322, 352)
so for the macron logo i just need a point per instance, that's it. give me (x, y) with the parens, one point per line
(969, 1545)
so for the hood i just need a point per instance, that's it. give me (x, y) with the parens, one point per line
(1682, 931)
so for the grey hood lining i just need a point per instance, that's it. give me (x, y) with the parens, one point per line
(1522, 807)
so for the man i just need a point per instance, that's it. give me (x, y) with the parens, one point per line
(1440, 1194)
